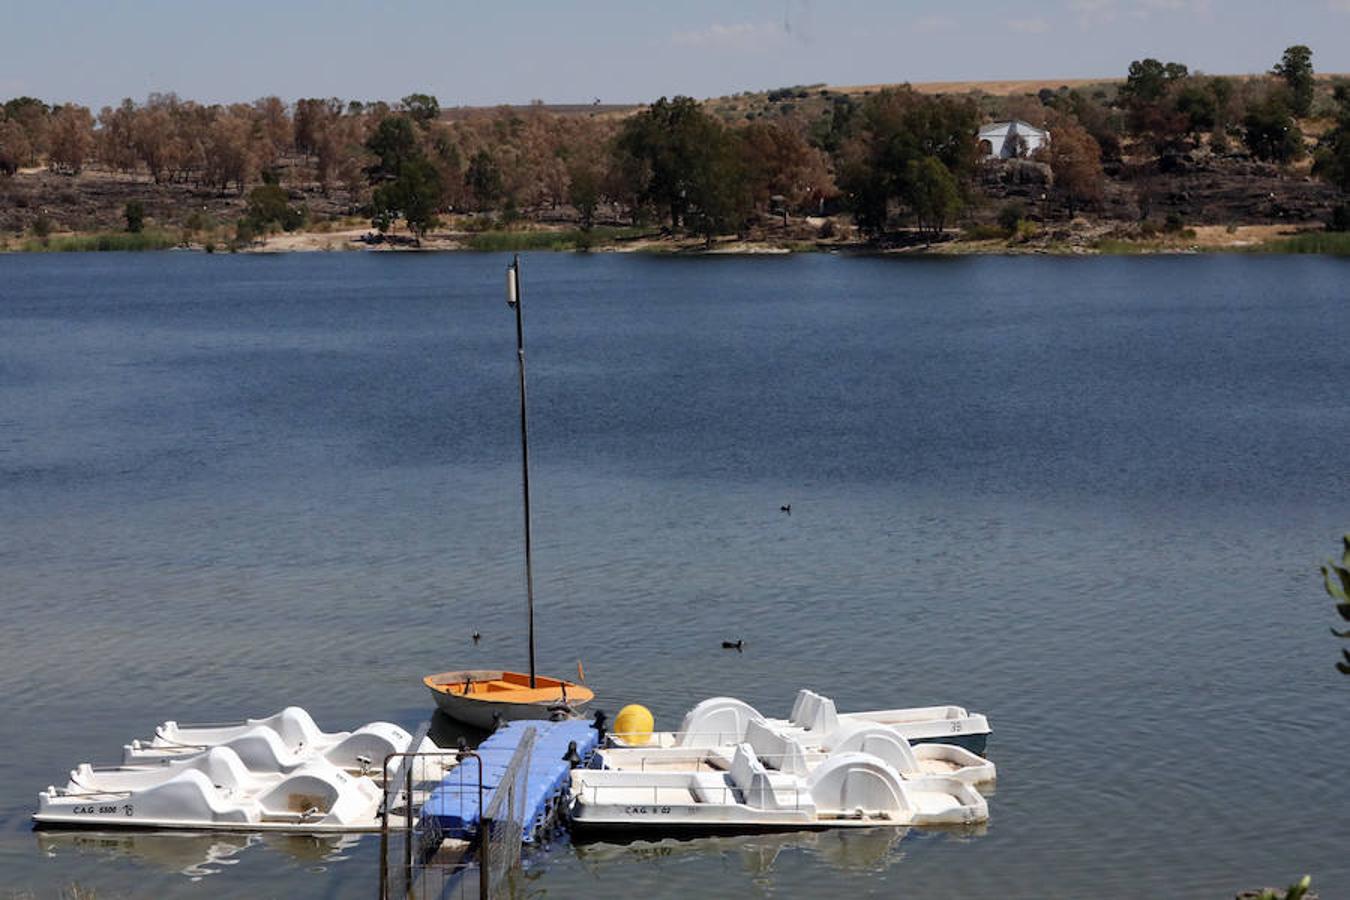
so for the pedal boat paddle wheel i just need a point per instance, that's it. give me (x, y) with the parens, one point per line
(484, 697)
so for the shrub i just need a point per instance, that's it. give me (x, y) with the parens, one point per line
(1340, 218)
(42, 226)
(135, 216)
(1173, 224)
(1010, 216)
(985, 232)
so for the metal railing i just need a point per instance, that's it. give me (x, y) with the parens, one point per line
(502, 828)
(415, 845)
(417, 860)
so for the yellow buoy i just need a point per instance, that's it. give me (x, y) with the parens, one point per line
(634, 724)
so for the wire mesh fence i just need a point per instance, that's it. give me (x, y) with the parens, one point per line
(421, 859)
(504, 822)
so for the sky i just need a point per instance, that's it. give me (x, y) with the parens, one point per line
(96, 52)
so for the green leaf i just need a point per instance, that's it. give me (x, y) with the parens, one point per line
(1339, 589)
(1341, 634)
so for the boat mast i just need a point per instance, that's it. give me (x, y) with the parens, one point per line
(513, 301)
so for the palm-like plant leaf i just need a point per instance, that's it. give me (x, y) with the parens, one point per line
(1337, 582)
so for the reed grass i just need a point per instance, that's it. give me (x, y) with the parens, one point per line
(103, 241)
(1327, 243)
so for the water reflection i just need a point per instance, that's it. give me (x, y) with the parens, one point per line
(191, 854)
(859, 850)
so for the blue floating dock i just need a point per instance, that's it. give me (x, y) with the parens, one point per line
(452, 809)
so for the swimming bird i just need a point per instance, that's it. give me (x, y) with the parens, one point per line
(786, 507)
(733, 645)
(476, 637)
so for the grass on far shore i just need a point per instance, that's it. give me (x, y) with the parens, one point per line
(1328, 243)
(102, 241)
(567, 239)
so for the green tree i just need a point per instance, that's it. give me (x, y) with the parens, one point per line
(933, 195)
(394, 143)
(1296, 69)
(895, 129)
(1333, 152)
(135, 216)
(269, 206)
(421, 108)
(583, 191)
(1196, 101)
(415, 196)
(1148, 80)
(1270, 132)
(484, 180)
(682, 161)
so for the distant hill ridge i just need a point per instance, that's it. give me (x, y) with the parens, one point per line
(992, 88)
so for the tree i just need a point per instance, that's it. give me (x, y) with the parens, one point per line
(114, 140)
(1333, 152)
(421, 108)
(269, 206)
(681, 160)
(276, 129)
(414, 196)
(778, 162)
(1076, 162)
(15, 149)
(152, 138)
(1296, 69)
(1195, 101)
(583, 190)
(484, 180)
(1270, 132)
(394, 144)
(71, 140)
(895, 129)
(933, 194)
(1148, 80)
(229, 149)
(135, 216)
(34, 117)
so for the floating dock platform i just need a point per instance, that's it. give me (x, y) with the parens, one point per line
(452, 809)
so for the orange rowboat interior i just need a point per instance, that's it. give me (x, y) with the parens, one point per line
(509, 687)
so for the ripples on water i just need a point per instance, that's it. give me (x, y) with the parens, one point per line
(1086, 497)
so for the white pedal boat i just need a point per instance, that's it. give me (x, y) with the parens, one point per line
(722, 721)
(790, 754)
(276, 743)
(847, 790)
(214, 790)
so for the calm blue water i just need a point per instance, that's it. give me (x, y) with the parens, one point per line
(1086, 497)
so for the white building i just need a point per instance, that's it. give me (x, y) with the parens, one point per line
(1011, 140)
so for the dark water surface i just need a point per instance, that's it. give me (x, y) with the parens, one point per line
(1086, 497)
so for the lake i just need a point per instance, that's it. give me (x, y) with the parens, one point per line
(1087, 497)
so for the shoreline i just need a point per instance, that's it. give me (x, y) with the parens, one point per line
(1079, 239)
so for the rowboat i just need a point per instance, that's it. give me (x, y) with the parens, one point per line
(481, 697)
(485, 697)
